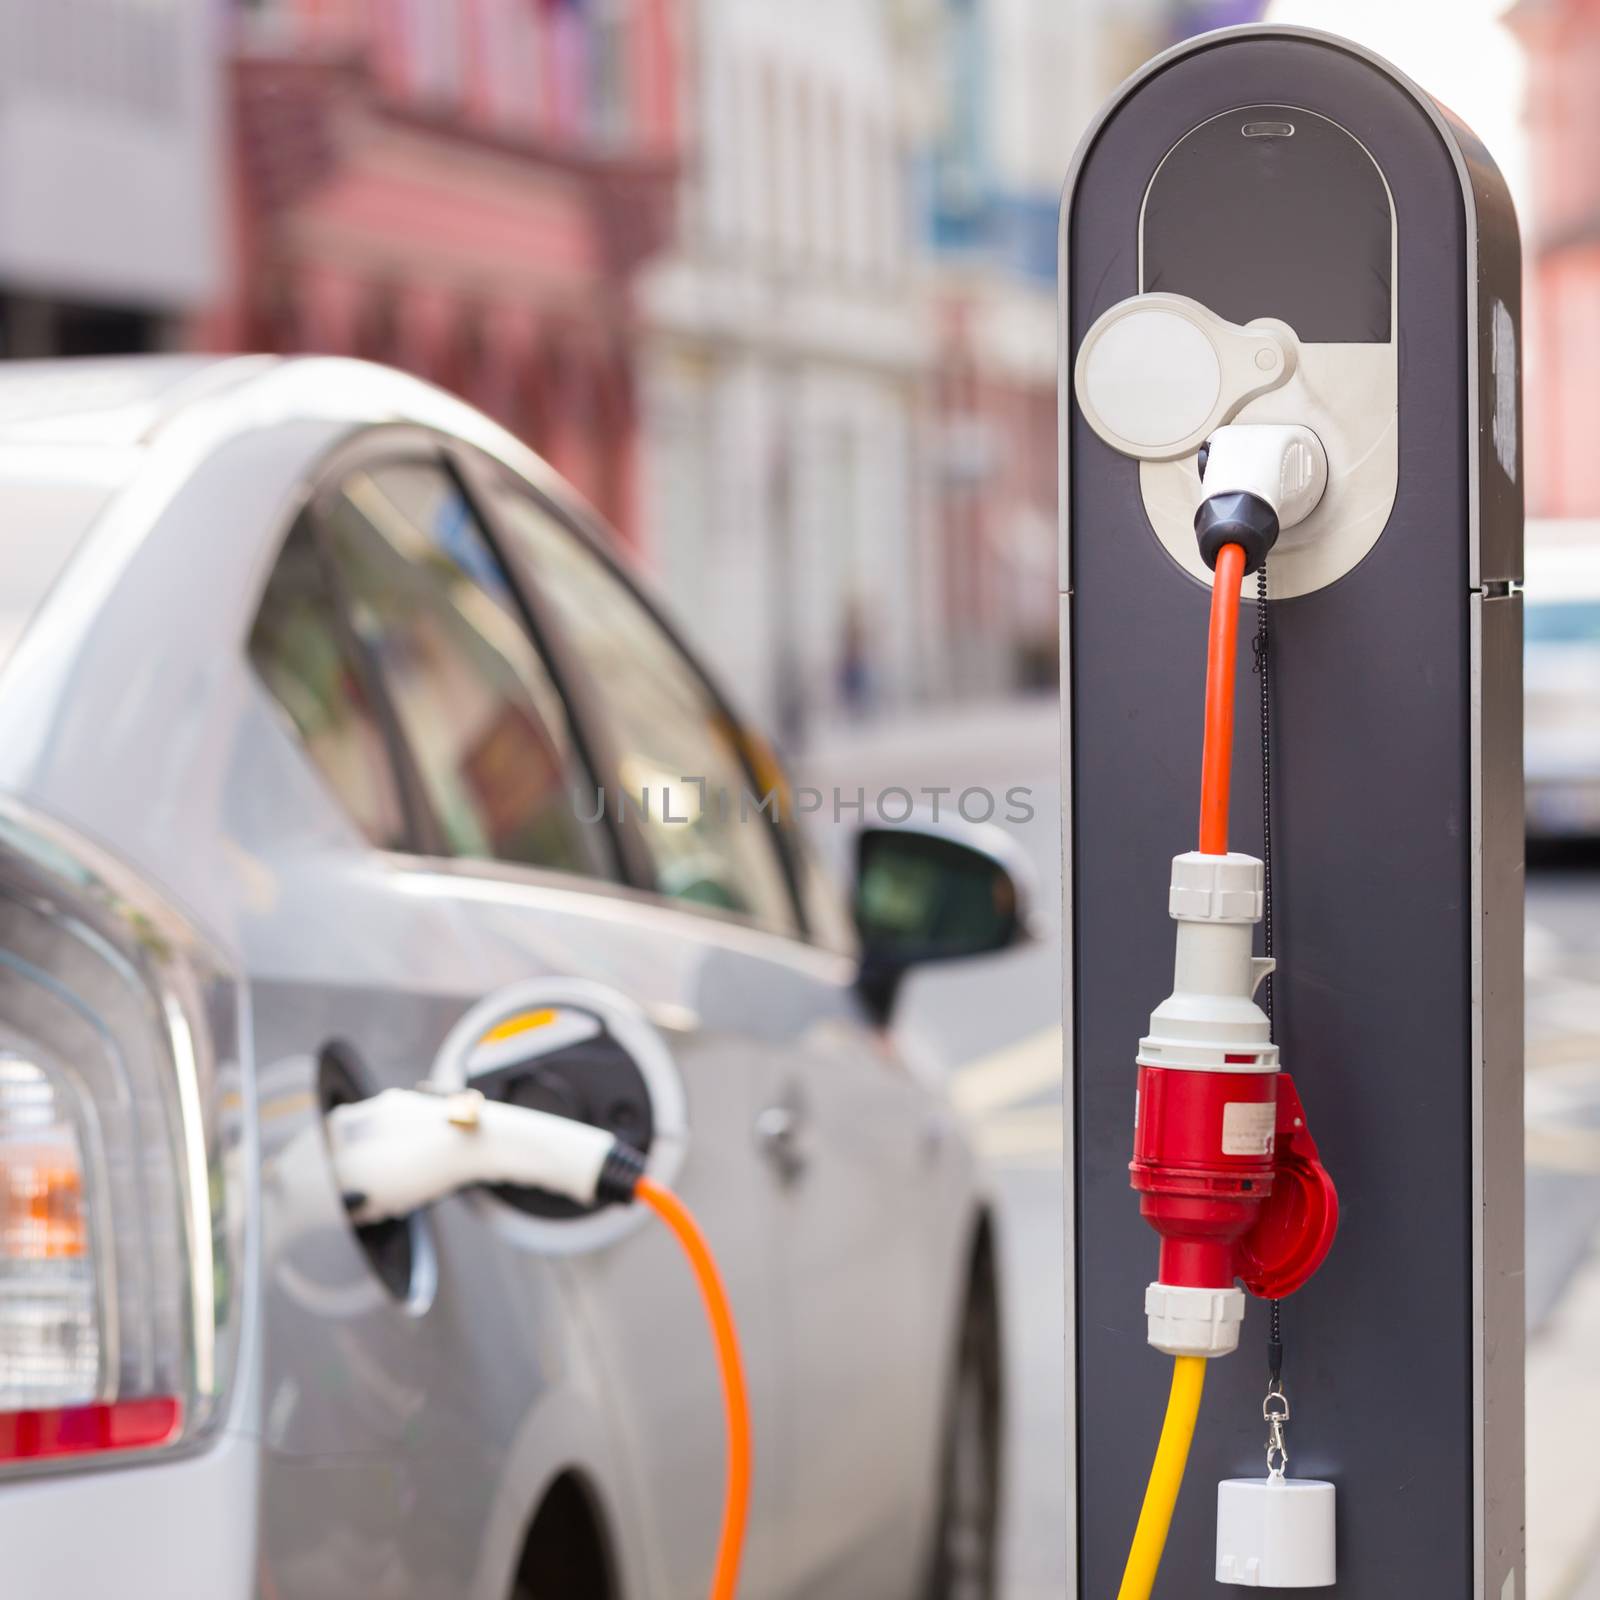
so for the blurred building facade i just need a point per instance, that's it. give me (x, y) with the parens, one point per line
(787, 361)
(109, 184)
(772, 284)
(1561, 254)
(850, 404)
(463, 188)
(996, 93)
(995, 96)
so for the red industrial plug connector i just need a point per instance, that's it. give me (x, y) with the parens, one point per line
(1226, 1168)
(1253, 1206)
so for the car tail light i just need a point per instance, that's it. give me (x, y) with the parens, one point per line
(50, 1335)
(120, 1200)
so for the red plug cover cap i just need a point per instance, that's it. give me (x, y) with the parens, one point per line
(1298, 1220)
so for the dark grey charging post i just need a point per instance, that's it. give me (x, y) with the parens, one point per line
(1274, 173)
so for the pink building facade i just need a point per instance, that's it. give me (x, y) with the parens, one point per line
(1561, 243)
(465, 189)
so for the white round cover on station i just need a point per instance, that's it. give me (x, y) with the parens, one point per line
(1158, 372)
(1154, 378)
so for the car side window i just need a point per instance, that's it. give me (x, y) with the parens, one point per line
(300, 651)
(483, 722)
(680, 761)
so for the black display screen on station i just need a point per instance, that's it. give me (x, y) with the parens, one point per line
(1272, 211)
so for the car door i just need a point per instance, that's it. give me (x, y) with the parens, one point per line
(859, 1157)
(507, 856)
(350, 990)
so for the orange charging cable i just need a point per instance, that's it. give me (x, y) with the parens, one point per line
(1222, 651)
(736, 1496)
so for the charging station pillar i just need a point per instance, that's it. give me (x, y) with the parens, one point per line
(1277, 173)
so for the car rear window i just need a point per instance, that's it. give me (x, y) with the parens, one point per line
(48, 502)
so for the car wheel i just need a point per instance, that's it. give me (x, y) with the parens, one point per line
(966, 1538)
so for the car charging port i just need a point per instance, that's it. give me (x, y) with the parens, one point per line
(397, 1152)
(391, 1247)
(573, 1067)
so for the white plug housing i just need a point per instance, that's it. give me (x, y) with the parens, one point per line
(1211, 1022)
(1182, 1321)
(1282, 464)
(1276, 1533)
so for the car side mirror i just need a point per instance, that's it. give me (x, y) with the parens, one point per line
(935, 891)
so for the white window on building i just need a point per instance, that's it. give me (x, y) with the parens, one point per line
(95, 54)
(786, 165)
(566, 36)
(110, 168)
(855, 197)
(610, 68)
(750, 132)
(678, 464)
(433, 54)
(715, 147)
(805, 166)
(508, 61)
(882, 179)
(835, 209)
(770, 122)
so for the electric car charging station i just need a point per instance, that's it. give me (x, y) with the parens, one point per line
(1290, 318)
(430, 1185)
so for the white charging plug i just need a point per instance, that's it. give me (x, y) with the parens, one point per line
(1281, 464)
(405, 1148)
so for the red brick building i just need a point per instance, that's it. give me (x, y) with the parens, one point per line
(463, 188)
(1561, 243)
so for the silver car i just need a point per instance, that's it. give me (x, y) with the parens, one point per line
(1561, 677)
(326, 712)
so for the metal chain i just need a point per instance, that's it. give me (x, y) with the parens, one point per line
(1275, 1413)
(1275, 1408)
(1260, 646)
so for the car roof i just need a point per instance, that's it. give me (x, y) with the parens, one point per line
(121, 403)
(1562, 561)
(117, 401)
(82, 431)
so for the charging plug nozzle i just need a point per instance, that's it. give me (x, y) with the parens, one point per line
(1257, 480)
(406, 1148)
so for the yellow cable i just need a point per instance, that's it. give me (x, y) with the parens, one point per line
(1166, 1478)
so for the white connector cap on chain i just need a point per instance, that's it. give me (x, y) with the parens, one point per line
(1275, 1533)
(1193, 1322)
